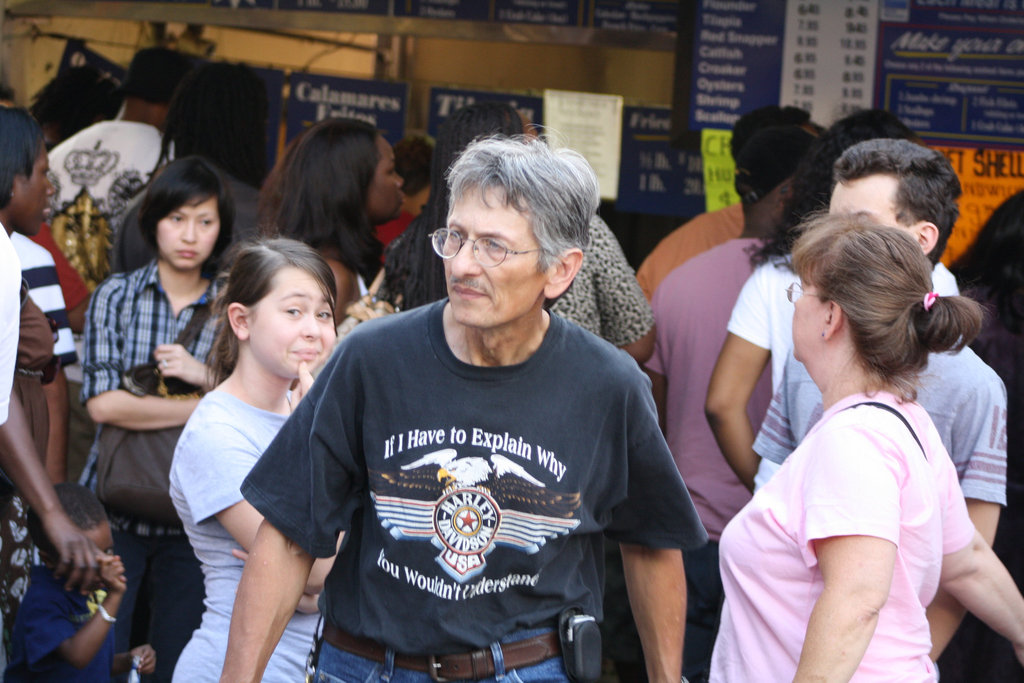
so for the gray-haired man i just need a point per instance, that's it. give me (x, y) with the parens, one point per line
(474, 452)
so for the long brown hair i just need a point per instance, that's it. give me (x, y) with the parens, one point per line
(879, 276)
(250, 279)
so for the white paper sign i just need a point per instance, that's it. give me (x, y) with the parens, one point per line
(828, 59)
(590, 124)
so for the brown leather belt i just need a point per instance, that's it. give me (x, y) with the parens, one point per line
(466, 665)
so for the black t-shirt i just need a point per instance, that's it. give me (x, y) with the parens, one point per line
(474, 499)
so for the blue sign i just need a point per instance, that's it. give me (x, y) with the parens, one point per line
(375, 7)
(273, 81)
(629, 15)
(544, 12)
(954, 78)
(655, 178)
(77, 54)
(471, 10)
(736, 58)
(314, 98)
(445, 101)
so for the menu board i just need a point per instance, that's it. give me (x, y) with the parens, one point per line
(445, 101)
(372, 7)
(735, 65)
(653, 15)
(468, 10)
(828, 63)
(621, 15)
(654, 178)
(954, 73)
(313, 98)
(546, 12)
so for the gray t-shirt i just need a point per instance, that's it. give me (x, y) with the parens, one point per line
(964, 397)
(221, 442)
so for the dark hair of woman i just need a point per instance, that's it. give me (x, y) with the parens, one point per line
(811, 186)
(75, 99)
(187, 181)
(20, 141)
(412, 161)
(250, 278)
(413, 274)
(317, 193)
(219, 110)
(996, 262)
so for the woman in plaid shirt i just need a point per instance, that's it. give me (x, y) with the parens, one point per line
(134, 318)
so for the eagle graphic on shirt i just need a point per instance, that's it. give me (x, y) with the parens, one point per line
(467, 506)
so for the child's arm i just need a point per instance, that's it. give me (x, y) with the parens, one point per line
(147, 660)
(81, 648)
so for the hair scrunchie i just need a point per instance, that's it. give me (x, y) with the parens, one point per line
(929, 300)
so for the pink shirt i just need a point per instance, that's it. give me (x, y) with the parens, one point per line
(691, 309)
(857, 472)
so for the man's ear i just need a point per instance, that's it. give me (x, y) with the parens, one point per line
(238, 318)
(562, 272)
(927, 234)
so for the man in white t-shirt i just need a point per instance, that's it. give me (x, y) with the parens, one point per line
(96, 171)
(895, 182)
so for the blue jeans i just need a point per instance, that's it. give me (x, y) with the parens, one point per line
(704, 597)
(338, 666)
(174, 582)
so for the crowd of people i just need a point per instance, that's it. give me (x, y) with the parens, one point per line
(786, 448)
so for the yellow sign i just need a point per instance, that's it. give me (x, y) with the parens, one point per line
(719, 169)
(988, 177)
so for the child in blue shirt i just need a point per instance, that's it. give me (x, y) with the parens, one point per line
(62, 635)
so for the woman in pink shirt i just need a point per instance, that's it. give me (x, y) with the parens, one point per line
(828, 571)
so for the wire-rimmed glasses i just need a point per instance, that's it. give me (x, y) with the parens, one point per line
(487, 251)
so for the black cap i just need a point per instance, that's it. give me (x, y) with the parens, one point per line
(154, 74)
(768, 158)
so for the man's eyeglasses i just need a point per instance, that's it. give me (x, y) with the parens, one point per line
(487, 251)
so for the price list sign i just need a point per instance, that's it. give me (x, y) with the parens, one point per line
(545, 12)
(654, 178)
(372, 7)
(829, 58)
(467, 10)
(446, 101)
(379, 103)
(736, 57)
(653, 15)
(956, 76)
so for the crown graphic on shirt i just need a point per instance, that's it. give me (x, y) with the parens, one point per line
(87, 166)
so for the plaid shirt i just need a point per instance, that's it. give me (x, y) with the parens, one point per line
(128, 317)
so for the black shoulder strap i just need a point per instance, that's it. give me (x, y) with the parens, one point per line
(898, 414)
(195, 324)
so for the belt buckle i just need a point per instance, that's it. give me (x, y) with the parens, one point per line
(434, 669)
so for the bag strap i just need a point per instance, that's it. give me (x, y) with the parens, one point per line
(375, 285)
(195, 325)
(898, 414)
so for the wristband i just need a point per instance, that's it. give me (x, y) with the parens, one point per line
(105, 615)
